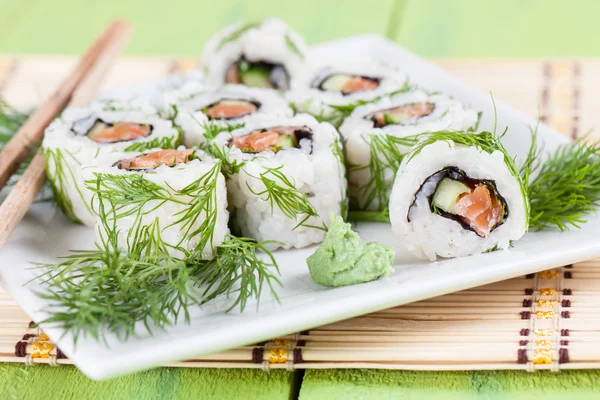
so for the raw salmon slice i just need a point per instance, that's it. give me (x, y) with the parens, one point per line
(357, 84)
(231, 109)
(155, 159)
(257, 141)
(119, 132)
(480, 210)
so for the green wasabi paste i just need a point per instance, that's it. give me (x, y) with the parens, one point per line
(343, 259)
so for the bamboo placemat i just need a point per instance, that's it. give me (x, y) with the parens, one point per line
(546, 320)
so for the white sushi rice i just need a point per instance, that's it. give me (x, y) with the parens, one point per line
(270, 41)
(356, 131)
(307, 97)
(66, 147)
(166, 214)
(428, 235)
(314, 169)
(189, 101)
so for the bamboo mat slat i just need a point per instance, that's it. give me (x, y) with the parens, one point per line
(543, 321)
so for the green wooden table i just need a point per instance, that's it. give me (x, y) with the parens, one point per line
(512, 28)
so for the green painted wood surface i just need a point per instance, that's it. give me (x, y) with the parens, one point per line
(433, 28)
(66, 383)
(488, 385)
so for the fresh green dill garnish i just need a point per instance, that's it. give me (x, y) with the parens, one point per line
(372, 216)
(60, 174)
(475, 127)
(10, 122)
(156, 143)
(92, 293)
(236, 34)
(134, 196)
(228, 167)
(386, 153)
(280, 191)
(294, 107)
(134, 277)
(292, 46)
(338, 152)
(565, 187)
(492, 249)
(212, 129)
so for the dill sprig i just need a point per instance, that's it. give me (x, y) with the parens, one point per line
(235, 35)
(157, 143)
(212, 129)
(60, 173)
(92, 293)
(229, 167)
(280, 191)
(386, 153)
(292, 46)
(10, 122)
(338, 152)
(121, 196)
(566, 186)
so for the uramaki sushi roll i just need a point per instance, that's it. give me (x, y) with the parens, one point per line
(457, 195)
(377, 135)
(267, 54)
(285, 175)
(198, 110)
(82, 134)
(171, 201)
(320, 89)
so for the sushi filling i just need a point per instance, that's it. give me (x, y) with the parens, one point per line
(230, 109)
(403, 115)
(260, 74)
(348, 84)
(475, 204)
(272, 139)
(105, 132)
(155, 159)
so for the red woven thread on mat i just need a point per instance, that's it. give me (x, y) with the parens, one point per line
(522, 356)
(21, 349)
(563, 356)
(298, 356)
(257, 355)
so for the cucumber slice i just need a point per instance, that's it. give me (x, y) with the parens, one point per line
(446, 195)
(335, 83)
(286, 142)
(256, 77)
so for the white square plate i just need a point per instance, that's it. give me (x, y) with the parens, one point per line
(45, 234)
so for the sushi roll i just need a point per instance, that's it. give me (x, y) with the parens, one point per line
(171, 201)
(379, 134)
(458, 195)
(82, 134)
(200, 111)
(322, 90)
(284, 177)
(267, 54)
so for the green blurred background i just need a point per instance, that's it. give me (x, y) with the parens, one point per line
(433, 28)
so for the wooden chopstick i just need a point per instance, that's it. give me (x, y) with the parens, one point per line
(28, 136)
(80, 87)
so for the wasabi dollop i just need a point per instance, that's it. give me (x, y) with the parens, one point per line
(344, 259)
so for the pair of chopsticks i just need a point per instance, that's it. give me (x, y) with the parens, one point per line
(80, 86)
